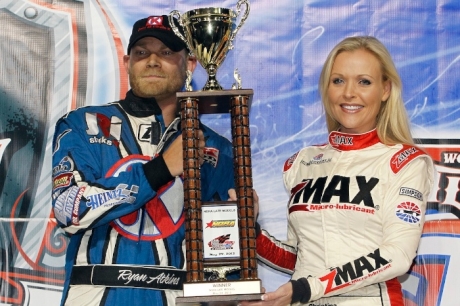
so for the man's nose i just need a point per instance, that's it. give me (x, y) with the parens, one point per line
(153, 60)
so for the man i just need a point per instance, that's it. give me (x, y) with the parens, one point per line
(117, 187)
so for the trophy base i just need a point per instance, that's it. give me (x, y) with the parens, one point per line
(215, 101)
(220, 292)
(221, 300)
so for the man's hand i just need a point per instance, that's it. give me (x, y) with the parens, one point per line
(173, 155)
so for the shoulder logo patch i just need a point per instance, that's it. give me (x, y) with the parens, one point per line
(288, 163)
(403, 157)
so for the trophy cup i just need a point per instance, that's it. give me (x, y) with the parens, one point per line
(208, 34)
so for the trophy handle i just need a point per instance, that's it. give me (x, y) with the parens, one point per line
(175, 29)
(243, 19)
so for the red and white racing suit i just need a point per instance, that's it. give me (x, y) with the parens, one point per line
(356, 212)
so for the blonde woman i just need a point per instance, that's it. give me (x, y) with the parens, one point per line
(356, 206)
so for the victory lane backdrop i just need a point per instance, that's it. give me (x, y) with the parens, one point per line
(58, 55)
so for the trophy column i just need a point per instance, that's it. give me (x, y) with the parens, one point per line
(239, 111)
(192, 190)
(198, 290)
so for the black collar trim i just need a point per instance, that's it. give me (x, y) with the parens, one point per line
(140, 107)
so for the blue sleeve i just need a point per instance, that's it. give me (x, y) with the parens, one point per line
(88, 190)
(217, 170)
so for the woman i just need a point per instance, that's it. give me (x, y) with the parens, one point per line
(357, 203)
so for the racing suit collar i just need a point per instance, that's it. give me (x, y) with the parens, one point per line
(348, 142)
(140, 107)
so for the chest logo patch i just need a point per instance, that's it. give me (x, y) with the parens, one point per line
(160, 217)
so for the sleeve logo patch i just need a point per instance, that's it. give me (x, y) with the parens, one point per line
(411, 193)
(211, 155)
(408, 212)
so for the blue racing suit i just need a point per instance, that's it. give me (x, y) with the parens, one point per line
(123, 211)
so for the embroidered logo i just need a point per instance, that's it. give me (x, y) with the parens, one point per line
(408, 212)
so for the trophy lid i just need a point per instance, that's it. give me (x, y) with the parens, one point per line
(209, 11)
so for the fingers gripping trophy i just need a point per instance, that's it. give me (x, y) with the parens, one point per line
(208, 34)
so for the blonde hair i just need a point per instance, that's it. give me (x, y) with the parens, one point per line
(392, 122)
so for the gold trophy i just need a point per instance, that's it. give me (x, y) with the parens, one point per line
(208, 34)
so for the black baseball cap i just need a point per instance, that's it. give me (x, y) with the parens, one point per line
(158, 27)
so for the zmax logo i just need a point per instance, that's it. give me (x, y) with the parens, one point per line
(403, 157)
(316, 192)
(342, 140)
(354, 272)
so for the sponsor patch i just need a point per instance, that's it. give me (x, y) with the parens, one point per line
(317, 160)
(221, 243)
(408, 212)
(211, 155)
(411, 193)
(121, 194)
(62, 180)
(221, 223)
(162, 213)
(76, 207)
(337, 206)
(356, 271)
(340, 140)
(64, 204)
(110, 129)
(319, 191)
(144, 133)
(318, 157)
(100, 140)
(288, 163)
(65, 165)
(403, 157)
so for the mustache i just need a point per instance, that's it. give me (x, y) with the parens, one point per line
(148, 72)
(153, 75)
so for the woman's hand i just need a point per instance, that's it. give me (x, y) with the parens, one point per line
(232, 197)
(281, 297)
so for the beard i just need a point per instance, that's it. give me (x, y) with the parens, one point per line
(160, 88)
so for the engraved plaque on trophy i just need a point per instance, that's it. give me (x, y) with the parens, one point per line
(220, 236)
